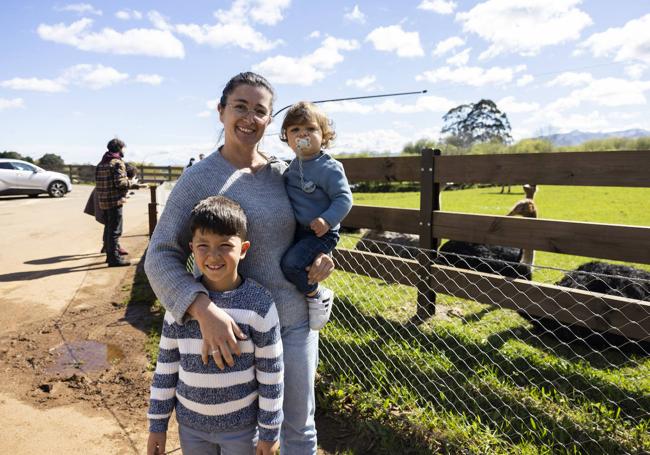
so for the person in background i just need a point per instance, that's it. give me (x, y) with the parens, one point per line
(189, 165)
(112, 185)
(201, 156)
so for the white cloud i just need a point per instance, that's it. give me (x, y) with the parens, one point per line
(314, 34)
(14, 103)
(630, 42)
(394, 39)
(93, 76)
(471, 75)
(609, 92)
(307, 69)
(510, 105)
(128, 14)
(233, 27)
(423, 104)
(379, 140)
(138, 41)
(159, 21)
(438, 6)
(355, 15)
(34, 84)
(460, 59)
(571, 79)
(363, 83)
(512, 27)
(636, 70)
(525, 80)
(80, 8)
(268, 12)
(151, 79)
(446, 45)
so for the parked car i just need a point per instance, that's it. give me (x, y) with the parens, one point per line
(21, 177)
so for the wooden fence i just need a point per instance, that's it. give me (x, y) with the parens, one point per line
(146, 174)
(600, 312)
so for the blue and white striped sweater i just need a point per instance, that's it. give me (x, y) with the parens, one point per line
(209, 399)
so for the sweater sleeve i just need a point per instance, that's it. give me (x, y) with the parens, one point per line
(120, 179)
(165, 262)
(336, 185)
(162, 398)
(269, 372)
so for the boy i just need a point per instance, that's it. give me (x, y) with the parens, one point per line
(321, 198)
(220, 408)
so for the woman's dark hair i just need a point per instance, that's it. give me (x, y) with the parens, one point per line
(115, 145)
(247, 78)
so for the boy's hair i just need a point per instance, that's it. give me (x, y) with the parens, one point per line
(303, 112)
(219, 215)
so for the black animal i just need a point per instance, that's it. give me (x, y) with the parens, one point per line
(610, 279)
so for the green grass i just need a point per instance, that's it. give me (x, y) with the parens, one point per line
(476, 378)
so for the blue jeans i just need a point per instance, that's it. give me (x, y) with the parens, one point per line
(300, 346)
(112, 233)
(196, 442)
(305, 248)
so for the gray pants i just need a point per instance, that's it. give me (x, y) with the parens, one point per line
(240, 442)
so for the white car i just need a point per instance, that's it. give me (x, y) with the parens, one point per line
(21, 177)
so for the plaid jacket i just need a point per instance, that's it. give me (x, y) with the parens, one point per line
(111, 182)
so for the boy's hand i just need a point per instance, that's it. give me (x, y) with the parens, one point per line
(319, 226)
(267, 447)
(156, 443)
(219, 331)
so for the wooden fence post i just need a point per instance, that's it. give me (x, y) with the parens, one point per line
(153, 210)
(70, 171)
(169, 173)
(429, 201)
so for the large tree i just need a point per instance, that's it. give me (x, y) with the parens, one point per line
(51, 161)
(473, 123)
(15, 156)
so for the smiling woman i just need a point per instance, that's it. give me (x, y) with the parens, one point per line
(247, 175)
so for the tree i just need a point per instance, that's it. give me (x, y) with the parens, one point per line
(51, 161)
(473, 123)
(415, 148)
(16, 156)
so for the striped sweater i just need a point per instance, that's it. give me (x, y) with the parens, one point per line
(209, 399)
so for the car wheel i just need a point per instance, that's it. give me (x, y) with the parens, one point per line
(56, 189)
(32, 195)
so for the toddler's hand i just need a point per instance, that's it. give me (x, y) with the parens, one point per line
(319, 226)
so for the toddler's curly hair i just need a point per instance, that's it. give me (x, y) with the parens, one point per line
(303, 112)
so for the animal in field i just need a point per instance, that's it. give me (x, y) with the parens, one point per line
(611, 279)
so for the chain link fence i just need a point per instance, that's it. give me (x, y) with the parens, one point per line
(482, 377)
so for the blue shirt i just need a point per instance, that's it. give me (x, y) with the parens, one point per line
(332, 198)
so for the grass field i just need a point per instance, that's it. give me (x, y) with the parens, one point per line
(476, 378)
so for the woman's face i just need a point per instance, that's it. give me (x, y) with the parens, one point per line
(246, 115)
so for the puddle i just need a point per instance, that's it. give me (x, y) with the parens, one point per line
(84, 356)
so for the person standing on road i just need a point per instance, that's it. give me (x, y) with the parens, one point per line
(242, 172)
(112, 185)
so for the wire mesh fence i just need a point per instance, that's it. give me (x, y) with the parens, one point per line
(482, 377)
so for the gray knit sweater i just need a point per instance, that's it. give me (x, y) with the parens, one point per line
(271, 226)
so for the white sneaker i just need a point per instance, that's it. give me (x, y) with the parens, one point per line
(320, 309)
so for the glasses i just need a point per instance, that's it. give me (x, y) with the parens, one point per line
(242, 111)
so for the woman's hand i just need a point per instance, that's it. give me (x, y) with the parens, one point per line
(320, 269)
(219, 331)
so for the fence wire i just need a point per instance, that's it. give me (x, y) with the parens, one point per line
(482, 377)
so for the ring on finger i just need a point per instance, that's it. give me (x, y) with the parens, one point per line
(214, 351)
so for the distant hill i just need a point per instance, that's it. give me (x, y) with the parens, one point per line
(578, 137)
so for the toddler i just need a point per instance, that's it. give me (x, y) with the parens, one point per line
(321, 198)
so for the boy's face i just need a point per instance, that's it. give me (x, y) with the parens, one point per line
(217, 257)
(305, 139)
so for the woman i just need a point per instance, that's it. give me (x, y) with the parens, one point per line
(240, 171)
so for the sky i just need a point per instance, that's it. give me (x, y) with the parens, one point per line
(75, 75)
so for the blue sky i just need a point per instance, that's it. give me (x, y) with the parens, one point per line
(150, 72)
